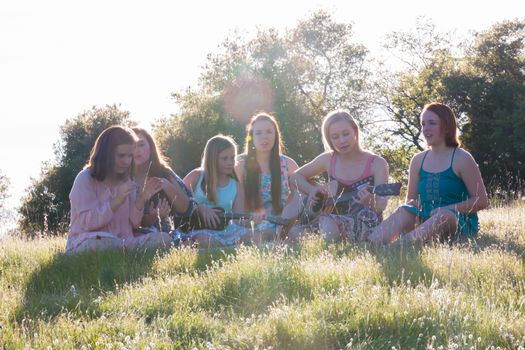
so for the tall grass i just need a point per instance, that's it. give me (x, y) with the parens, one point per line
(312, 296)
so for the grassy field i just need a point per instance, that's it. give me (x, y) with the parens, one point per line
(313, 296)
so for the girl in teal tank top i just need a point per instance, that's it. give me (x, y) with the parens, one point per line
(440, 203)
(215, 187)
(442, 189)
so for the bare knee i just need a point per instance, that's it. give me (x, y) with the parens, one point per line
(446, 216)
(294, 234)
(329, 229)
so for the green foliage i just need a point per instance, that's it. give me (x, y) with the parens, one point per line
(310, 296)
(490, 91)
(298, 75)
(397, 155)
(484, 85)
(45, 206)
(426, 58)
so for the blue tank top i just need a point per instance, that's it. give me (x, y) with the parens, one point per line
(225, 195)
(441, 189)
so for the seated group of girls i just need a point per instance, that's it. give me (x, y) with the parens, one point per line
(128, 197)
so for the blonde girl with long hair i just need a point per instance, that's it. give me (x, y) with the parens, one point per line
(216, 189)
(350, 168)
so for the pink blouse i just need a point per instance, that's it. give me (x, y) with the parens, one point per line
(91, 212)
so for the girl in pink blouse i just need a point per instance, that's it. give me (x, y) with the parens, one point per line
(105, 204)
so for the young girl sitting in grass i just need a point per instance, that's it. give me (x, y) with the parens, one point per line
(350, 168)
(445, 188)
(106, 206)
(263, 171)
(217, 191)
(174, 199)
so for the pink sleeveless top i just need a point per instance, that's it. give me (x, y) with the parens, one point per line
(350, 185)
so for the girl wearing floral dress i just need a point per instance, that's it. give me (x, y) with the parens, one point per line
(264, 171)
(350, 169)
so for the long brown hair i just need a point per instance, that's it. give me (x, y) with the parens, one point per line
(102, 156)
(253, 170)
(159, 164)
(448, 122)
(210, 157)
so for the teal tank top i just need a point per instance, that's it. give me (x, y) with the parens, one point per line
(225, 195)
(445, 188)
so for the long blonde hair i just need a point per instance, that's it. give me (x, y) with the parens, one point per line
(333, 117)
(210, 157)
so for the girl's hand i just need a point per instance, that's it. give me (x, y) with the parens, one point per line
(440, 210)
(123, 191)
(166, 184)
(152, 186)
(364, 196)
(317, 194)
(258, 217)
(162, 209)
(209, 215)
(413, 203)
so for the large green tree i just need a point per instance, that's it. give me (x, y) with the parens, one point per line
(424, 57)
(489, 91)
(45, 206)
(298, 75)
(483, 81)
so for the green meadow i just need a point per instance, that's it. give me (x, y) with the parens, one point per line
(310, 296)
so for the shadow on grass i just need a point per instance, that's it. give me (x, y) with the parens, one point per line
(72, 283)
(508, 244)
(401, 263)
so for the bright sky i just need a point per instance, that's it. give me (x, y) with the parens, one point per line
(59, 58)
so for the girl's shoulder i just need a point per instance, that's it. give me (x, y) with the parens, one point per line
(84, 177)
(377, 160)
(193, 176)
(287, 159)
(324, 159)
(463, 157)
(373, 156)
(417, 159)
(196, 172)
(291, 164)
(419, 156)
(84, 173)
(463, 154)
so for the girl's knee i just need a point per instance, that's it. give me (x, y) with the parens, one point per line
(446, 215)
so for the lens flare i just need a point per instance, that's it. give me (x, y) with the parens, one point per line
(246, 95)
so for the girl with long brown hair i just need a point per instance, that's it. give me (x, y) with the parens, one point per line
(263, 170)
(174, 199)
(106, 206)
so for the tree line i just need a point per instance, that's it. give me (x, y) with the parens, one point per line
(302, 73)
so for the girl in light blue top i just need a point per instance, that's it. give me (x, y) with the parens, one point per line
(216, 189)
(445, 188)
